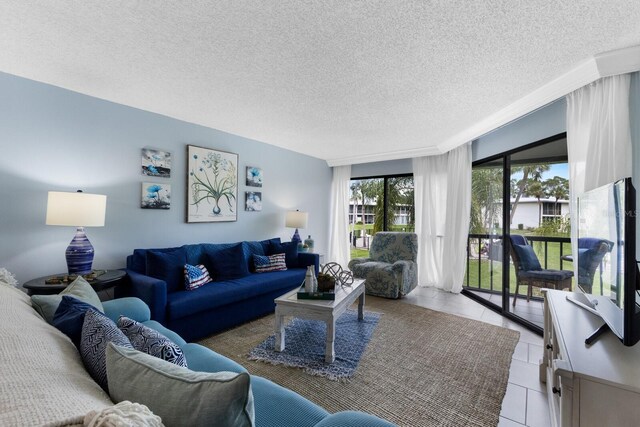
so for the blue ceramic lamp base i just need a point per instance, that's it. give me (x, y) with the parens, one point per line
(296, 237)
(79, 254)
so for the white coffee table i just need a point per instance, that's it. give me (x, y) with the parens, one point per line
(325, 310)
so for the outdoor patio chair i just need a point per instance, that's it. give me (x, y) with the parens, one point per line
(530, 273)
(391, 270)
(591, 251)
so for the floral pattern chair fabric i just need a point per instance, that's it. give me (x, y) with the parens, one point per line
(391, 270)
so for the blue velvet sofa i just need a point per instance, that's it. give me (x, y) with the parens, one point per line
(275, 406)
(235, 296)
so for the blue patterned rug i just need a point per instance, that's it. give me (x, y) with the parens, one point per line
(305, 345)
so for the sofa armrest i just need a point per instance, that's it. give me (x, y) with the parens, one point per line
(353, 419)
(356, 261)
(150, 290)
(306, 259)
(133, 308)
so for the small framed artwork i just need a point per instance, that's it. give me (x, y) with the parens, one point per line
(212, 185)
(155, 196)
(254, 176)
(253, 201)
(156, 163)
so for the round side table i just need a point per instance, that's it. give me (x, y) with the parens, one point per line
(106, 280)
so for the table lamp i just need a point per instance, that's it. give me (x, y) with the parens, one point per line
(77, 210)
(296, 219)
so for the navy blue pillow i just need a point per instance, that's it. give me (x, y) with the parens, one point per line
(528, 259)
(227, 264)
(290, 251)
(168, 266)
(266, 244)
(69, 317)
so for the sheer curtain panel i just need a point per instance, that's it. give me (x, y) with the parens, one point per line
(598, 138)
(339, 250)
(442, 188)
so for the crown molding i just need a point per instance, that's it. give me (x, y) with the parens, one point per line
(620, 61)
(381, 157)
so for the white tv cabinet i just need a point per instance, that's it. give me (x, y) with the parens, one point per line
(587, 386)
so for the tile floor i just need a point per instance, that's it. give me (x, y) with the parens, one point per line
(533, 311)
(525, 402)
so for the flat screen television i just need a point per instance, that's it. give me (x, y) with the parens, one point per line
(609, 213)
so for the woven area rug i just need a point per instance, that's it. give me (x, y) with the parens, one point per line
(305, 345)
(421, 367)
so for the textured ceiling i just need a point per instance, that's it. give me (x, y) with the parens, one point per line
(332, 79)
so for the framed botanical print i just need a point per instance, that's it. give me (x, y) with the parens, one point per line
(212, 185)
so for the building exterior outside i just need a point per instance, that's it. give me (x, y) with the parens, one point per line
(527, 214)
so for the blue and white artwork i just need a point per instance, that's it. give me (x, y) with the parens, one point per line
(156, 163)
(254, 176)
(155, 196)
(253, 201)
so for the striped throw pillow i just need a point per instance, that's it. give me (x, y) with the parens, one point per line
(195, 276)
(264, 264)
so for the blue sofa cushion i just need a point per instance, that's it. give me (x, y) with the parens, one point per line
(168, 266)
(547, 275)
(279, 406)
(202, 359)
(290, 251)
(528, 259)
(206, 298)
(228, 264)
(69, 317)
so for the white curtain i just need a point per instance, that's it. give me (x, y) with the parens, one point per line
(339, 249)
(442, 188)
(598, 138)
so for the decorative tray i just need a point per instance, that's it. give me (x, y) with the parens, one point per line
(316, 295)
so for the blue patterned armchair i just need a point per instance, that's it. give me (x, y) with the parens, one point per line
(391, 270)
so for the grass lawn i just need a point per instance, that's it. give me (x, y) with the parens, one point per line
(359, 253)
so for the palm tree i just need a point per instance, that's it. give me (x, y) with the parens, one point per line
(529, 173)
(356, 190)
(486, 185)
(537, 190)
(557, 187)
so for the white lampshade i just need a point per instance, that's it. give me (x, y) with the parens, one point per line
(296, 219)
(76, 209)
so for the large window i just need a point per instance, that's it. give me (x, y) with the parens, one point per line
(379, 204)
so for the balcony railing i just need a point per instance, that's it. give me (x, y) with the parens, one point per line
(484, 260)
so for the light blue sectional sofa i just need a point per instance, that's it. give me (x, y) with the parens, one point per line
(275, 406)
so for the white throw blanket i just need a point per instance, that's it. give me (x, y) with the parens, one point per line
(42, 376)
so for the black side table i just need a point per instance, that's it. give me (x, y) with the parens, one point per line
(106, 280)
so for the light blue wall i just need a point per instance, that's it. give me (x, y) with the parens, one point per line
(55, 139)
(540, 124)
(391, 167)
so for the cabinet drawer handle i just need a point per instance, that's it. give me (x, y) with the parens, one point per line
(556, 390)
(549, 347)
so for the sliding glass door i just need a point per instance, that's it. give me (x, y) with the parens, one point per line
(484, 255)
(524, 192)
